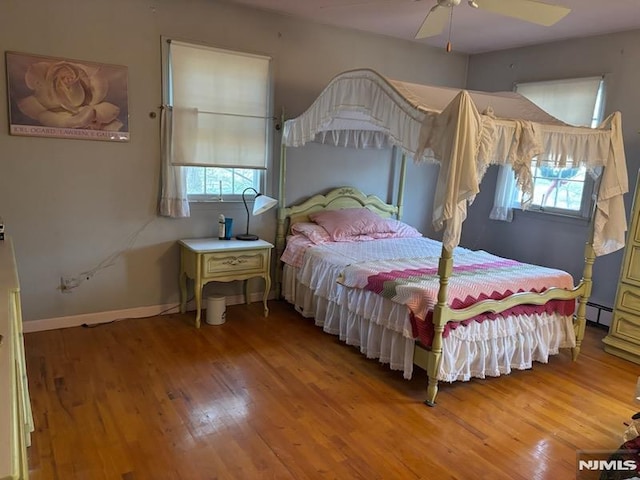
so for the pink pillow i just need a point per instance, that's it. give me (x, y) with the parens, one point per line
(349, 222)
(400, 230)
(312, 231)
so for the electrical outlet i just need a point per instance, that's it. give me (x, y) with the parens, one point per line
(67, 284)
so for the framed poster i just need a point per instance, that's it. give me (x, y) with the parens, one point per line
(62, 98)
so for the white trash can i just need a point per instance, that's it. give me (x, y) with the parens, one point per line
(216, 310)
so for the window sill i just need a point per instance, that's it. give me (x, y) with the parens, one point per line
(216, 200)
(551, 217)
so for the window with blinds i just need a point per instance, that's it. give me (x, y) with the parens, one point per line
(222, 119)
(576, 101)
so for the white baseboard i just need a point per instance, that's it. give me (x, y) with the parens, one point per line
(116, 315)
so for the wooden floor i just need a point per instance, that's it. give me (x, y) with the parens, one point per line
(277, 398)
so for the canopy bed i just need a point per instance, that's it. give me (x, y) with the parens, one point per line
(403, 319)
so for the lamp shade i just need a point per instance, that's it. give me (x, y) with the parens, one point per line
(262, 203)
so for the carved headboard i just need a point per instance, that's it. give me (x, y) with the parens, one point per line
(342, 197)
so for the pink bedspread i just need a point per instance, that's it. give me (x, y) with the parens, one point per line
(476, 276)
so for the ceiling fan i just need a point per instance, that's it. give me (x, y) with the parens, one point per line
(528, 10)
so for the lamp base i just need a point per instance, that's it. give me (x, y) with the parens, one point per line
(247, 237)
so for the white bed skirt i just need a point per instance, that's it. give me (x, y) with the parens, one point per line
(381, 329)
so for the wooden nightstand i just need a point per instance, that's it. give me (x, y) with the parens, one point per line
(211, 260)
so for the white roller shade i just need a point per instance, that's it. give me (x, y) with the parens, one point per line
(573, 101)
(221, 106)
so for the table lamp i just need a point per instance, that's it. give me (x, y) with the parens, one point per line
(261, 204)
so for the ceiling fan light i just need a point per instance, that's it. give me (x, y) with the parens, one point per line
(472, 3)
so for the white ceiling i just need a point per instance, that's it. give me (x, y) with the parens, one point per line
(474, 31)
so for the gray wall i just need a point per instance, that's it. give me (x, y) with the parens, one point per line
(71, 204)
(539, 238)
(373, 171)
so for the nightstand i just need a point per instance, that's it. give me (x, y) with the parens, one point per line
(207, 260)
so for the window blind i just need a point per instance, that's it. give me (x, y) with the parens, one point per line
(573, 100)
(221, 106)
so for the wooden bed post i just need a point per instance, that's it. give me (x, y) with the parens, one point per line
(581, 313)
(587, 283)
(445, 267)
(403, 174)
(280, 232)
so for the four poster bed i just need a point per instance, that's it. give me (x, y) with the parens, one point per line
(349, 261)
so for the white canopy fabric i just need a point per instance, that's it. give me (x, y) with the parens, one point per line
(466, 132)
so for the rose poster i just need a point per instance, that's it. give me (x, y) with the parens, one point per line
(56, 97)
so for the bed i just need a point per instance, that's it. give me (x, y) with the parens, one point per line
(375, 302)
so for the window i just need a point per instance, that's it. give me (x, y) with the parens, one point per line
(558, 190)
(206, 183)
(222, 122)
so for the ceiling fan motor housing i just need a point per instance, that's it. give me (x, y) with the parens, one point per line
(449, 3)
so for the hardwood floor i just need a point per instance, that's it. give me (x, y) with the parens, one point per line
(277, 398)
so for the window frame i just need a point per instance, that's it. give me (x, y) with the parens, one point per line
(586, 202)
(260, 175)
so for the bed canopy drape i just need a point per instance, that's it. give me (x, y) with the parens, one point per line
(466, 132)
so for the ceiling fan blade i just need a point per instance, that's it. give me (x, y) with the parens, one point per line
(528, 10)
(434, 22)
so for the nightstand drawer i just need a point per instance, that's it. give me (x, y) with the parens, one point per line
(223, 264)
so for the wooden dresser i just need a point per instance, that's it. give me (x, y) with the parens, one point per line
(623, 339)
(16, 421)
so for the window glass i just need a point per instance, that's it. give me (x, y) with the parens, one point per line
(213, 183)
